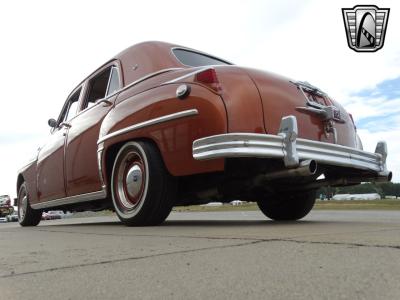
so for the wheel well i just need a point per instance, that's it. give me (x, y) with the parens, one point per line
(20, 180)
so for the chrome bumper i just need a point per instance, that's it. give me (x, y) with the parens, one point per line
(291, 149)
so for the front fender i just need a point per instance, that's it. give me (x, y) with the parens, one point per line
(27, 174)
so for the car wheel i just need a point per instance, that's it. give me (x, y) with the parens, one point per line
(27, 216)
(143, 192)
(287, 206)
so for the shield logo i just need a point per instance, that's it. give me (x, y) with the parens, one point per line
(365, 27)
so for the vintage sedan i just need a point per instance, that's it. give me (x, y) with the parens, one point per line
(162, 125)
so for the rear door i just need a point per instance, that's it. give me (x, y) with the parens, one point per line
(81, 166)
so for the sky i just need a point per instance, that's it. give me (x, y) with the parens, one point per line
(48, 47)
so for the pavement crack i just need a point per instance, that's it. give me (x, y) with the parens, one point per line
(156, 235)
(247, 243)
(338, 243)
(111, 261)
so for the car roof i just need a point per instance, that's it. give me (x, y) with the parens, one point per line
(145, 58)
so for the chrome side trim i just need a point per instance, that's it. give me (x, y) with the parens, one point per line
(166, 118)
(100, 150)
(198, 70)
(147, 77)
(71, 200)
(273, 146)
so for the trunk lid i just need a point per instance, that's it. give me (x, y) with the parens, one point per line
(283, 97)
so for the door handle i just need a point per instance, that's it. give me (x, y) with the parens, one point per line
(105, 102)
(65, 125)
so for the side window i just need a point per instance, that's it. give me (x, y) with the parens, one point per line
(71, 108)
(113, 84)
(98, 87)
(101, 86)
(195, 59)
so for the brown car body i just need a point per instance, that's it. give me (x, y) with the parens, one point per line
(73, 169)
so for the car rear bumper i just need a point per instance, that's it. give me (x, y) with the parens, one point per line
(291, 150)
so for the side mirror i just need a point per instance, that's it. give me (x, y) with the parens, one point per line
(52, 123)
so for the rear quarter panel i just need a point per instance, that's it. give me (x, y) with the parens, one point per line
(173, 138)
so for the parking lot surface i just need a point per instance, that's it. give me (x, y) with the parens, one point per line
(215, 255)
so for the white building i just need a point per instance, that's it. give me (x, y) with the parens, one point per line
(372, 196)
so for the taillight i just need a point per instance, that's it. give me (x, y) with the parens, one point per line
(8, 202)
(354, 124)
(209, 78)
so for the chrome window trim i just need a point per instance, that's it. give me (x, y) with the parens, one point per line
(66, 105)
(71, 200)
(162, 119)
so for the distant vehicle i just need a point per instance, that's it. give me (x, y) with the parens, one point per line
(236, 202)
(161, 125)
(3, 219)
(13, 217)
(5, 206)
(52, 215)
(59, 213)
(213, 204)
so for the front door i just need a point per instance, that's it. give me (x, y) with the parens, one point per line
(50, 163)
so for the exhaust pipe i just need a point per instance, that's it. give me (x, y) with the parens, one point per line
(306, 168)
(385, 177)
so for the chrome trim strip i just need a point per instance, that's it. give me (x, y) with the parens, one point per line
(147, 77)
(71, 200)
(198, 70)
(100, 150)
(272, 146)
(166, 118)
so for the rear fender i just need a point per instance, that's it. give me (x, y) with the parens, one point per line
(140, 116)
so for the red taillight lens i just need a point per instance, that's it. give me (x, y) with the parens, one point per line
(8, 202)
(209, 78)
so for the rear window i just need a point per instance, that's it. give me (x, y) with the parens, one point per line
(195, 59)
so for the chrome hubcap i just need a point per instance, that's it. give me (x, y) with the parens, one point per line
(133, 180)
(130, 180)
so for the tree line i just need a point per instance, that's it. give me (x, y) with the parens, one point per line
(383, 189)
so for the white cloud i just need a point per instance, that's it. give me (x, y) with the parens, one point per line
(364, 107)
(47, 47)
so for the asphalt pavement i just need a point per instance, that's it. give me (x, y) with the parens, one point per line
(212, 255)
